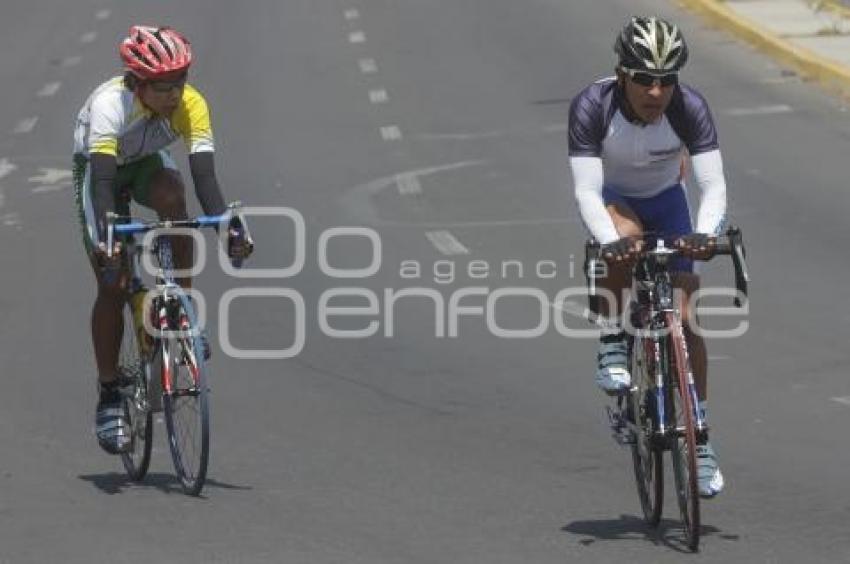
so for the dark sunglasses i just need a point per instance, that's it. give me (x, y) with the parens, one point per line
(647, 79)
(165, 86)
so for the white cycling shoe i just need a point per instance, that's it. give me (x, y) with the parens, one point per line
(612, 372)
(709, 477)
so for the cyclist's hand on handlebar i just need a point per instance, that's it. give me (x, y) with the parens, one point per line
(240, 245)
(621, 250)
(700, 246)
(103, 258)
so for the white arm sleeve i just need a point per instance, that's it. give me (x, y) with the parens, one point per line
(589, 178)
(708, 171)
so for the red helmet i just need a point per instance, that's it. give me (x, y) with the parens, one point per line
(155, 53)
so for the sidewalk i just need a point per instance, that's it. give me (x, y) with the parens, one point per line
(811, 35)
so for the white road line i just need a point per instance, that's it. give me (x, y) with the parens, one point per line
(12, 219)
(408, 184)
(378, 96)
(473, 224)
(6, 167)
(88, 37)
(446, 243)
(391, 133)
(49, 89)
(103, 15)
(352, 15)
(51, 176)
(52, 188)
(760, 110)
(461, 136)
(358, 201)
(357, 37)
(72, 61)
(26, 125)
(845, 400)
(368, 66)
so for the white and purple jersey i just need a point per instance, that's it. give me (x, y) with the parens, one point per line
(642, 160)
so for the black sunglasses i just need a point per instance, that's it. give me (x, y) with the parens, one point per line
(164, 86)
(647, 79)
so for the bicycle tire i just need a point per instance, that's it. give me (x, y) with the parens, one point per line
(185, 402)
(684, 447)
(134, 371)
(647, 457)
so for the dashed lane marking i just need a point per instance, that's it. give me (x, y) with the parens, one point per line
(446, 243)
(49, 89)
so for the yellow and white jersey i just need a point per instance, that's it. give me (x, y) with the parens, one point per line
(113, 121)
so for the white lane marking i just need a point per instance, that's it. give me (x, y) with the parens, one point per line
(71, 61)
(760, 110)
(49, 89)
(391, 133)
(461, 136)
(51, 188)
(845, 400)
(358, 200)
(408, 184)
(357, 37)
(51, 180)
(352, 15)
(446, 243)
(51, 176)
(378, 96)
(12, 219)
(368, 66)
(26, 125)
(88, 37)
(472, 224)
(6, 167)
(103, 15)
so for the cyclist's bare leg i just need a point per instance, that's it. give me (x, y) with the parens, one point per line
(107, 323)
(689, 283)
(167, 196)
(619, 277)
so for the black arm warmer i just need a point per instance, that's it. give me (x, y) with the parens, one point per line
(207, 190)
(103, 171)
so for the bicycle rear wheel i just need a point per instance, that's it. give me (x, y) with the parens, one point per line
(684, 447)
(646, 455)
(133, 373)
(185, 401)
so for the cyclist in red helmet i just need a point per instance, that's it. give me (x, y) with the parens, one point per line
(121, 151)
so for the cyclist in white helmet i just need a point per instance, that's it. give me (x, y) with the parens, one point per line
(628, 138)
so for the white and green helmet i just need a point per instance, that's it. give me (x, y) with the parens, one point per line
(651, 44)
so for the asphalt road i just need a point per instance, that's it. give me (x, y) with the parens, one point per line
(440, 126)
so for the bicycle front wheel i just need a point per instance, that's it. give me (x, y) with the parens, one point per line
(133, 373)
(185, 401)
(684, 447)
(646, 455)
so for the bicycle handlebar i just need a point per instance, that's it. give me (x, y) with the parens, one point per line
(731, 244)
(133, 227)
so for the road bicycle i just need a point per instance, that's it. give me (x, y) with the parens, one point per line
(162, 360)
(659, 412)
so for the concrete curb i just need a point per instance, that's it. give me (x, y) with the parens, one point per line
(831, 74)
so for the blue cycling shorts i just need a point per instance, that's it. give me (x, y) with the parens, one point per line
(665, 215)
